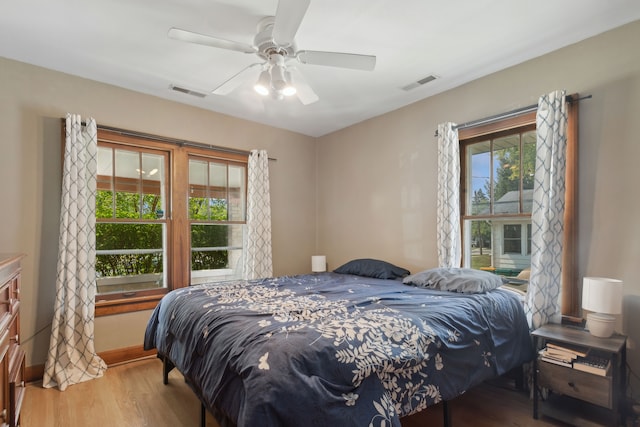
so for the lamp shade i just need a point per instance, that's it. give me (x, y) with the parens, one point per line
(263, 83)
(318, 263)
(602, 295)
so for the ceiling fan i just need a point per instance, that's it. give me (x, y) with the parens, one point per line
(275, 46)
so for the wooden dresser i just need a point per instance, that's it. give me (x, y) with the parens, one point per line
(12, 385)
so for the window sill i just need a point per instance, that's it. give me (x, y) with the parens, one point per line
(126, 305)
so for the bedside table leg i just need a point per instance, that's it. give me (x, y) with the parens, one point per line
(535, 385)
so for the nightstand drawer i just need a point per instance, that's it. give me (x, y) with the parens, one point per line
(581, 385)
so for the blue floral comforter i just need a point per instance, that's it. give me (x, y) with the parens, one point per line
(333, 349)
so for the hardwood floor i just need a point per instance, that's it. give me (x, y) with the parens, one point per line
(130, 394)
(133, 395)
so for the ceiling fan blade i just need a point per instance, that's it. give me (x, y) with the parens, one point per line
(288, 19)
(191, 37)
(337, 59)
(236, 80)
(305, 94)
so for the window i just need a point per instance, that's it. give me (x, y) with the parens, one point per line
(497, 165)
(131, 228)
(512, 239)
(216, 214)
(498, 194)
(167, 215)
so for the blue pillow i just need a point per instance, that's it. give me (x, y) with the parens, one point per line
(368, 267)
(463, 280)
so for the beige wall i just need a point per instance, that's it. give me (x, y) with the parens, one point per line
(32, 101)
(377, 180)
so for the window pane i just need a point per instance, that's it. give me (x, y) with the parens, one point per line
(506, 163)
(198, 196)
(479, 238)
(218, 191)
(528, 169)
(127, 182)
(479, 180)
(129, 256)
(237, 193)
(512, 239)
(104, 181)
(152, 186)
(216, 250)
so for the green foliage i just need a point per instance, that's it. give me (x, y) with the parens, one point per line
(129, 235)
(201, 260)
(201, 208)
(119, 236)
(209, 236)
(507, 173)
(127, 205)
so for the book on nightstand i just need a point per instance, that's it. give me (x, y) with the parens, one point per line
(562, 361)
(563, 355)
(568, 349)
(593, 364)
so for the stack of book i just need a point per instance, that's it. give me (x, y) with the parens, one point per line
(575, 357)
(563, 355)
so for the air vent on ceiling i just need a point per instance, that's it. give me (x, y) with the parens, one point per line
(420, 82)
(187, 91)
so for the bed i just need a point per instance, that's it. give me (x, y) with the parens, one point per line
(334, 349)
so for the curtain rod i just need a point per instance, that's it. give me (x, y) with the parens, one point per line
(175, 141)
(509, 114)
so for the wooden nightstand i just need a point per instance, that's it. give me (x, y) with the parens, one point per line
(570, 388)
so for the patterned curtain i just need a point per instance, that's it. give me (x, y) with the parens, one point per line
(72, 358)
(257, 260)
(547, 217)
(448, 204)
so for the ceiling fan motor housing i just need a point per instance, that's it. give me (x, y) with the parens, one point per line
(265, 43)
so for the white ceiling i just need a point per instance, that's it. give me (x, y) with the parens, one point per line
(125, 43)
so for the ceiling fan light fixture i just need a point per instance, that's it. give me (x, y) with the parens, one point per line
(263, 83)
(289, 89)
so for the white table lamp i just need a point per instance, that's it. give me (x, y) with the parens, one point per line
(603, 298)
(318, 263)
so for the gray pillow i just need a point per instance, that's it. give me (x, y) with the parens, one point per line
(464, 280)
(372, 268)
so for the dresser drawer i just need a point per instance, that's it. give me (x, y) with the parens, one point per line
(16, 384)
(581, 385)
(12, 356)
(5, 305)
(14, 294)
